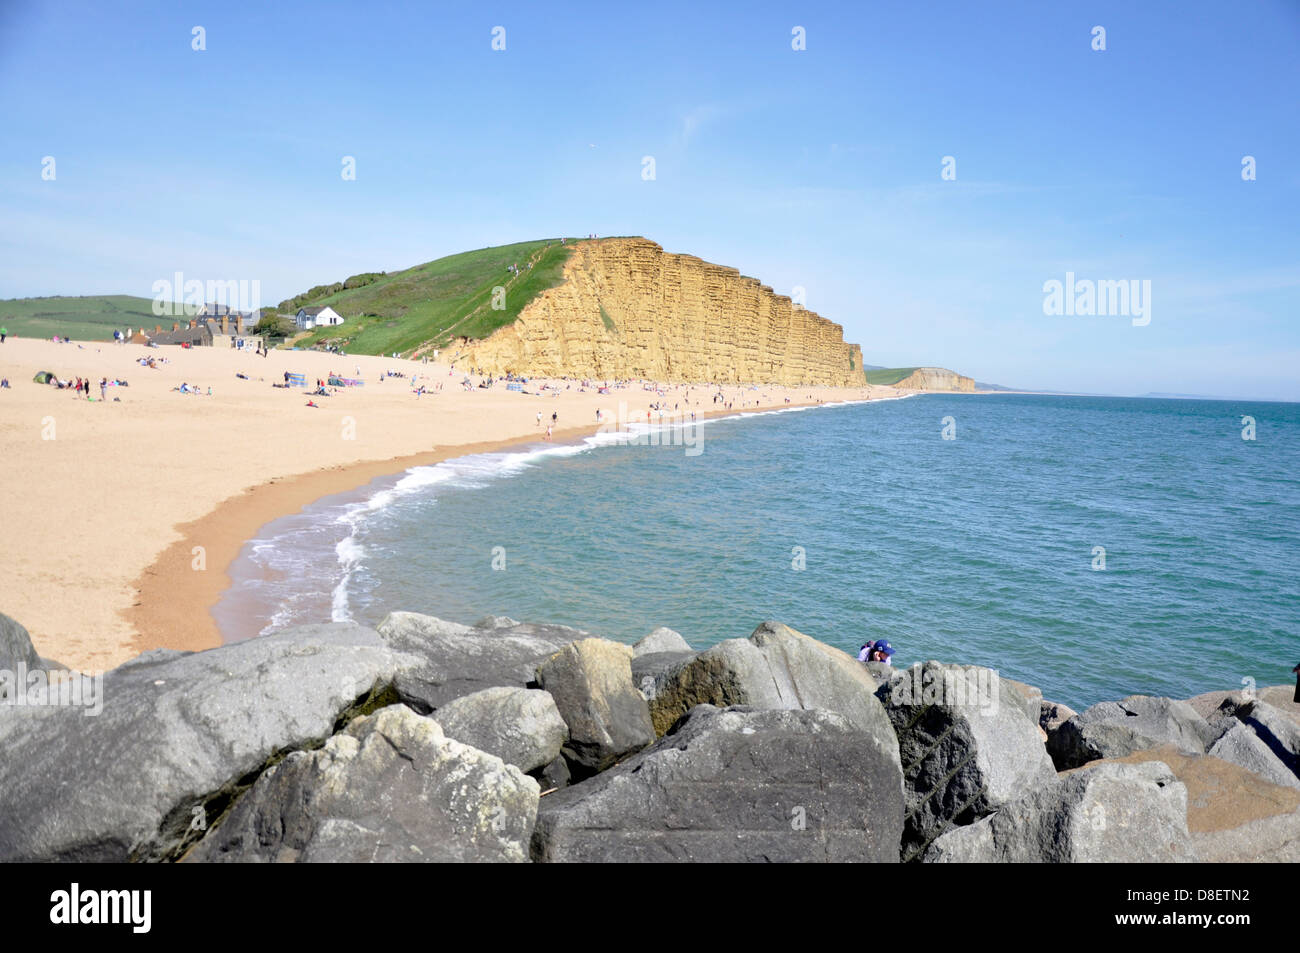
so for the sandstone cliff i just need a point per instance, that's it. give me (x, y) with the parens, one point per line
(936, 378)
(628, 310)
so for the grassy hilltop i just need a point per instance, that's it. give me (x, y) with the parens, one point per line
(435, 302)
(431, 303)
(86, 318)
(888, 376)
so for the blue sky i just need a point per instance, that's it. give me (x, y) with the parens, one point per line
(817, 168)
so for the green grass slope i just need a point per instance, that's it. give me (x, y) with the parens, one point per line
(888, 375)
(87, 318)
(440, 301)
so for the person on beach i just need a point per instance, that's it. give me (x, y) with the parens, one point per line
(1297, 684)
(103, 388)
(548, 433)
(4, 333)
(539, 418)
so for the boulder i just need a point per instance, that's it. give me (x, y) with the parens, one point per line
(178, 736)
(737, 785)
(496, 622)
(554, 775)
(521, 726)
(1281, 697)
(460, 660)
(16, 648)
(967, 747)
(882, 672)
(661, 640)
(1052, 715)
(1137, 723)
(1274, 840)
(1243, 747)
(1234, 815)
(1104, 813)
(608, 719)
(1031, 698)
(776, 667)
(1277, 731)
(651, 671)
(388, 788)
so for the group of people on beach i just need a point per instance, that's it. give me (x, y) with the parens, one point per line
(555, 419)
(82, 387)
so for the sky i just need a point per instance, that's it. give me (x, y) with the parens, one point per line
(821, 168)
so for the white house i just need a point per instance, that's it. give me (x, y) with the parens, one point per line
(308, 318)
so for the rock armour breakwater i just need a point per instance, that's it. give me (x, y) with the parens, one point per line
(426, 740)
(626, 309)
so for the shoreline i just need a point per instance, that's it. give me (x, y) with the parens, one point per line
(114, 494)
(174, 601)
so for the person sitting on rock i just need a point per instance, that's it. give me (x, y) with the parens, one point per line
(882, 651)
(1297, 684)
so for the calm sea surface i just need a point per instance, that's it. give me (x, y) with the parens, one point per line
(1094, 547)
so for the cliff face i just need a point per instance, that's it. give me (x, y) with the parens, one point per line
(936, 378)
(626, 310)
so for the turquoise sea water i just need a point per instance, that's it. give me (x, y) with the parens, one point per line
(979, 549)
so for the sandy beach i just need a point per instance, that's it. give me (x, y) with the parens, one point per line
(122, 516)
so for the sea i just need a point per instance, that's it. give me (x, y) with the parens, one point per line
(1094, 547)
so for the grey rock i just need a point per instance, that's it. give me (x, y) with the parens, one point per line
(661, 640)
(521, 726)
(608, 719)
(554, 775)
(1104, 813)
(388, 788)
(1241, 746)
(177, 737)
(496, 622)
(153, 657)
(882, 672)
(1031, 698)
(1275, 729)
(1274, 839)
(1281, 697)
(1137, 723)
(736, 785)
(1052, 715)
(776, 667)
(460, 660)
(966, 744)
(16, 646)
(651, 671)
